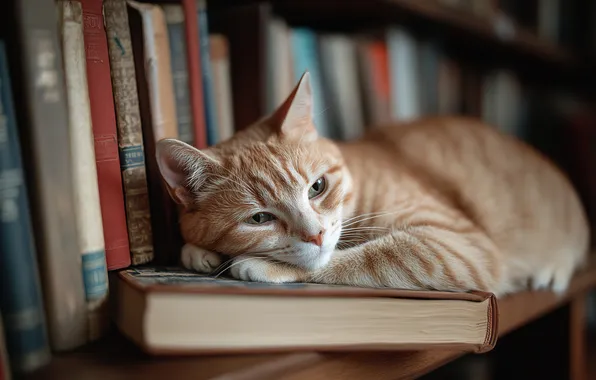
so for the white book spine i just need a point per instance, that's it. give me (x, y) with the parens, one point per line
(87, 206)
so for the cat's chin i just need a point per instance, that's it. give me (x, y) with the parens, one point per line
(309, 261)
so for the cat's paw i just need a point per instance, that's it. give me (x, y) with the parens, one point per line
(199, 259)
(259, 270)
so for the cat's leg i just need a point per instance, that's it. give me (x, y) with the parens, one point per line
(416, 257)
(199, 259)
(419, 257)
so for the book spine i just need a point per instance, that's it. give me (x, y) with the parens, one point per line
(130, 134)
(156, 101)
(43, 105)
(208, 96)
(194, 74)
(21, 299)
(111, 195)
(175, 20)
(87, 202)
(5, 370)
(222, 86)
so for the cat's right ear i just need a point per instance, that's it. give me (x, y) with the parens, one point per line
(183, 168)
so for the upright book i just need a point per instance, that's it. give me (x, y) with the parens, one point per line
(174, 311)
(40, 99)
(107, 160)
(20, 299)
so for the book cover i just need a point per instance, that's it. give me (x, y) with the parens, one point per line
(21, 300)
(103, 116)
(130, 134)
(87, 199)
(293, 316)
(40, 101)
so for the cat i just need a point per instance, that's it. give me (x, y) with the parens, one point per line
(440, 203)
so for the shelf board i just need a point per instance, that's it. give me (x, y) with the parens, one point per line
(116, 357)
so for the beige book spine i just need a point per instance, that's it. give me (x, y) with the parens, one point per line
(158, 70)
(130, 134)
(222, 85)
(87, 207)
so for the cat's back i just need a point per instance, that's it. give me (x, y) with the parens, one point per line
(523, 201)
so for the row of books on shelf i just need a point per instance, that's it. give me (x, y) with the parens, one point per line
(84, 98)
(81, 191)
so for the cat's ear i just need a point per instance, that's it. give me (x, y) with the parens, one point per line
(183, 168)
(294, 118)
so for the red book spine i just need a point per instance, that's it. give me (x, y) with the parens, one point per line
(194, 72)
(103, 116)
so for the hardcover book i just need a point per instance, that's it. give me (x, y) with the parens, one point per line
(173, 311)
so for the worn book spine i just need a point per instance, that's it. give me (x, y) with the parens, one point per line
(40, 95)
(111, 195)
(158, 117)
(20, 299)
(175, 20)
(208, 96)
(87, 204)
(130, 134)
(195, 81)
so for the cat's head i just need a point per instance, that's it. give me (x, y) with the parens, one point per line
(275, 189)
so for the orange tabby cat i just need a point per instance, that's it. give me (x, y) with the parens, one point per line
(443, 203)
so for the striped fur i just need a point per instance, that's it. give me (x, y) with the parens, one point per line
(439, 203)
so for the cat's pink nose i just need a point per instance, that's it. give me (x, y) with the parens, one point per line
(315, 239)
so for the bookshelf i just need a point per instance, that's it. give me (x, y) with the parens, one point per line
(483, 41)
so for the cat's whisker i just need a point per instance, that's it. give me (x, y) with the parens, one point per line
(352, 221)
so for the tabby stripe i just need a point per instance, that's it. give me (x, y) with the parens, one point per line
(447, 270)
(263, 184)
(471, 268)
(302, 173)
(335, 168)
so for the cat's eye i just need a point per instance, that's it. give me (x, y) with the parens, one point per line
(317, 188)
(260, 218)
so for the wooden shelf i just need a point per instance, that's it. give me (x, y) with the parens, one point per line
(116, 358)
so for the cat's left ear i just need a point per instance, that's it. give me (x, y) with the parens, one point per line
(184, 169)
(294, 118)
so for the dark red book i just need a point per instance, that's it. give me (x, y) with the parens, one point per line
(194, 72)
(103, 117)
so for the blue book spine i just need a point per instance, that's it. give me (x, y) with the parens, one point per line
(21, 302)
(305, 57)
(208, 93)
(180, 77)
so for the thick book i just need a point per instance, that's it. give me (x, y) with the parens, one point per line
(130, 133)
(40, 100)
(20, 298)
(169, 311)
(103, 116)
(87, 199)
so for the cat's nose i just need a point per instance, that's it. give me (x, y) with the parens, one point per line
(315, 239)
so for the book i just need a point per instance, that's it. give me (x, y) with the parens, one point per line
(21, 299)
(195, 81)
(208, 95)
(175, 17)
(88, 217)
(38, 87)
(130, 134)
(103, 116)
(404, 69)
(150, 44)
(279, 68)
(169, 311)
(373, 66)
(222, 85)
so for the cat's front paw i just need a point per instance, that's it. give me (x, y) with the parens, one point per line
(199, 259)
(259, 270)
